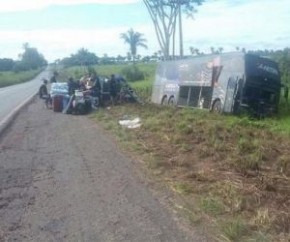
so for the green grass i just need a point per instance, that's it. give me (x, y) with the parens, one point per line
(107, 70)
(281, 125)
(182, 188)
(225, 165)
(211, 205)
(233, 230)
(8, 78)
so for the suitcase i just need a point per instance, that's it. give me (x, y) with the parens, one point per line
(57, 103)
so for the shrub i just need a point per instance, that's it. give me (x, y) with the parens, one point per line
(133, 73)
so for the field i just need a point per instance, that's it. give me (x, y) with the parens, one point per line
(228, 175)
(8, 78)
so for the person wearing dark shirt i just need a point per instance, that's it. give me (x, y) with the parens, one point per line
(72, 86)
(43, 93)
(113, 89)
(53, 78)
(96, 85)
(43, 89)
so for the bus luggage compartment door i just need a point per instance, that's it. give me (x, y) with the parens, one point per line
(230, 95)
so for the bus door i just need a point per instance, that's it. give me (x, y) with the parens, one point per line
(230, 95)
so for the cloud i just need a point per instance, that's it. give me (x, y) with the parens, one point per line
(247, 23)
(55, 44)
(256, 24)
(24, 5)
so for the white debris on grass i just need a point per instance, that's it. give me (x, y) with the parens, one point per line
(131, 123)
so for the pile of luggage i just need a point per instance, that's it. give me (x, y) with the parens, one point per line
(63, 102)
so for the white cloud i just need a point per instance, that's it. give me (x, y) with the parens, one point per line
(55, 44)
(256, 24)
(24, 5)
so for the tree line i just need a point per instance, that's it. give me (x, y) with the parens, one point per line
(30, 59)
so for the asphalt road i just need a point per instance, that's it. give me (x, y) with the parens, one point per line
(13, 96)
(63, 179)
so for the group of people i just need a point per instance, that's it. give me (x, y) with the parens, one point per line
(90, 86)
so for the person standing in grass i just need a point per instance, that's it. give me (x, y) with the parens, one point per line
(113, 89)
(95, 89)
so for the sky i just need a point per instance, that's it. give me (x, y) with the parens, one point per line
(58, 28)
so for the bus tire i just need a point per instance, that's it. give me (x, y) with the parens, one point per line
(217, 106)
(171, 101)
(164, 101)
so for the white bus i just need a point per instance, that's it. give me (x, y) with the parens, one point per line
(224, 83)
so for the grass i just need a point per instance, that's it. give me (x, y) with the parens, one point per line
(8, 78)
(182, 188)
(234, 172)
(233, 230)
(231, 173)
(211, 205)
(107, 70)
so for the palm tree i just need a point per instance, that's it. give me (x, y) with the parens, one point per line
(194, 51)
(221, 49)
(129, 56)
(134, 39)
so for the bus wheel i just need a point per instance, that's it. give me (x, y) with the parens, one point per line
(171, 101)
(164, 101)
(217, 106)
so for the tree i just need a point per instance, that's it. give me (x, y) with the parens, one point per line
(146, 59)
(164, 14)
(120, 59)
(31, 58)
(134, 39)
(83, 57)
(86, 58)
(107, 60)
(194, 51)
(129, 56)
(220, 49)
(6, 64)
(282, 57)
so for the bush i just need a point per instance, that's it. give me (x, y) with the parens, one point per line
(19, 67)
(133, 73)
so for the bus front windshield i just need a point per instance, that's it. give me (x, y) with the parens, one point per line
(261, 89)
